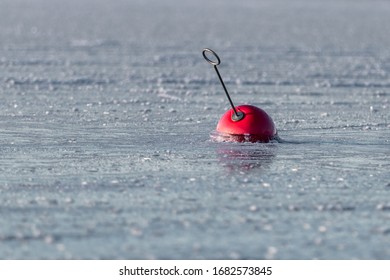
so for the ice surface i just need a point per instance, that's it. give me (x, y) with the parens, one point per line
(107, 109)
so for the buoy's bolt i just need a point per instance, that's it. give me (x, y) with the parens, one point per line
(238, 116)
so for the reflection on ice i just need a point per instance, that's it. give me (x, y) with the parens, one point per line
(243, 157)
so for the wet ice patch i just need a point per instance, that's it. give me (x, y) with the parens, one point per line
(221, 137)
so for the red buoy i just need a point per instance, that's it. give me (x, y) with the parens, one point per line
(244, 123)
(255, 126)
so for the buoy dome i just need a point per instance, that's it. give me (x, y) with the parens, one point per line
(255, 126)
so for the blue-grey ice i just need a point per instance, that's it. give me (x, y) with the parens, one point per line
(106, 113)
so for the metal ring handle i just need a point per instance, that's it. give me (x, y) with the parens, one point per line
(215, 63)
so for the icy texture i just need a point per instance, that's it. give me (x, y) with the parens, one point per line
(107, 109)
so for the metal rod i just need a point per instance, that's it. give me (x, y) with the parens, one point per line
(224, 87)
(237, 115)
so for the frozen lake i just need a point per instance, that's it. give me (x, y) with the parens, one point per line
(107, 109)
